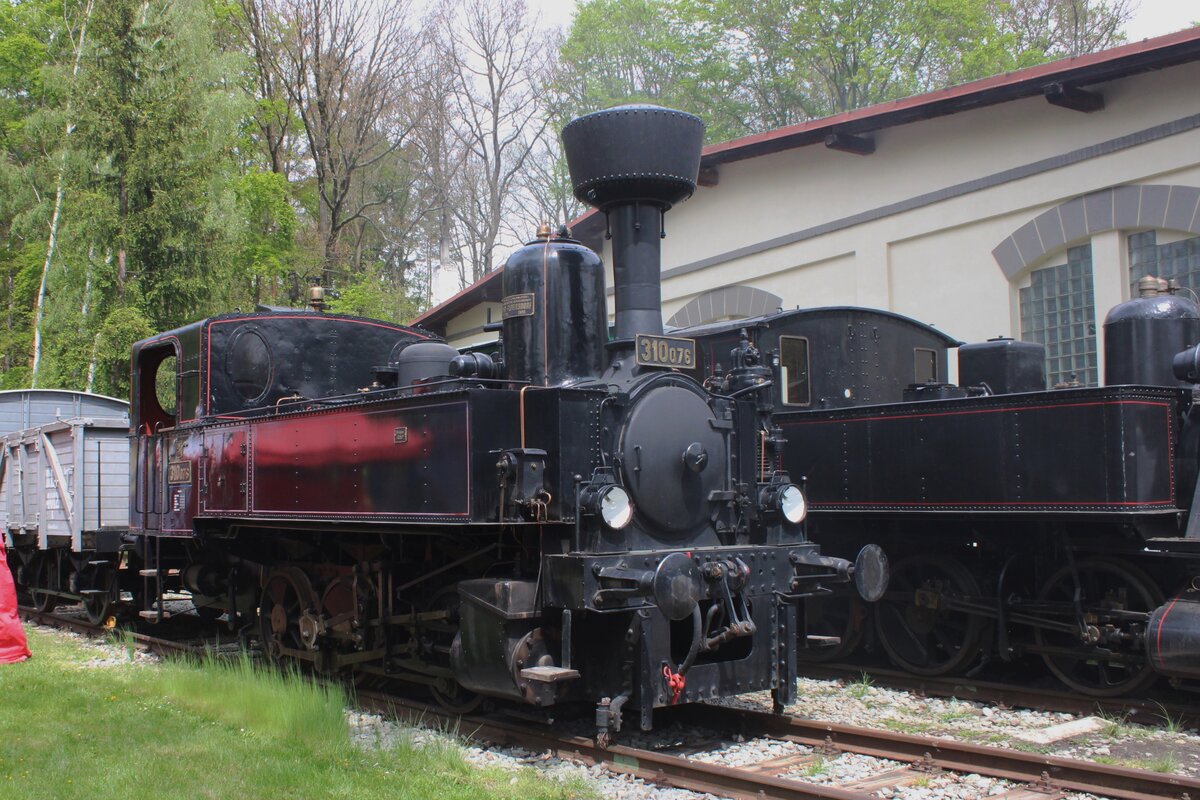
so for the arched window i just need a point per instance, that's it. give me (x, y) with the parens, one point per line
(1058, 310)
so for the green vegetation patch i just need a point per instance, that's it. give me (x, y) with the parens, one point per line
(75, 730)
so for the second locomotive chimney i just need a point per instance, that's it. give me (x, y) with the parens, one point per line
(634, 163)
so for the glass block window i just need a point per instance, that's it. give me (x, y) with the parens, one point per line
(1058, 310)
(1179, 260)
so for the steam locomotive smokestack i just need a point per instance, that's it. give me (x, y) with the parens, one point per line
(634, 163)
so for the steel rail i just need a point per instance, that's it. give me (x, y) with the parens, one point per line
(649, 765)
(153, 644)
(1129, 709)
(1069, 774)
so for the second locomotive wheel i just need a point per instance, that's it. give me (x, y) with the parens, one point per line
(842, 616)
(1111, 594)
(916, 622)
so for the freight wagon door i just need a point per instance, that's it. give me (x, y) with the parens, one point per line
(224, 486)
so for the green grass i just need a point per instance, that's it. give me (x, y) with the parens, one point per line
(1164, 763)
(859, 688)
(907, 725)
(1170, 724)
(956, 712)
(212, 730)
(816, 768)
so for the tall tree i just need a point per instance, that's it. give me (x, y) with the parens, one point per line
(348, 67)
(1058, 28)
(500, 59)
(620, 51)
(78, 37)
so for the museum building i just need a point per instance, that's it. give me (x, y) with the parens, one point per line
(1025, 204)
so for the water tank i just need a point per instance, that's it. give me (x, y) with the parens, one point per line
(555, 316)
(1004, 365)
(1142, 335)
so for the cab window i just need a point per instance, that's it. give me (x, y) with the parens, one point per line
(157, 394)
(924, 365)
(793, 370)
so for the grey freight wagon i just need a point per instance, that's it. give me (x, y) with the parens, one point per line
(64, 489)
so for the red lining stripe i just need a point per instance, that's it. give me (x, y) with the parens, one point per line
(1158, 636)
(883, 418)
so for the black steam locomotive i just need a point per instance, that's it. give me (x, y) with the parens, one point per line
(584, 524)
(1020, 521)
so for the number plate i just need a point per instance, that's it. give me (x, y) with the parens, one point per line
(665, 351)
(179, 472)
(518, 305)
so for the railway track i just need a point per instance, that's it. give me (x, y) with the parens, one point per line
(1131, 709)
(921, 759)
(1037, 777)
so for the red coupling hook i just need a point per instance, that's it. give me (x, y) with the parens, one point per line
(675, 682)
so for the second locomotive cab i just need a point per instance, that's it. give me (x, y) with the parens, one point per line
(584, 523)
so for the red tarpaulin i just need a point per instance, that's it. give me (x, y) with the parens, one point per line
(13, 647)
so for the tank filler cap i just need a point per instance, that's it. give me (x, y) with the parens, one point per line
(1150, 286)
(316, 298)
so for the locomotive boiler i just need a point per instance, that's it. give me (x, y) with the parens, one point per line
(584, 523)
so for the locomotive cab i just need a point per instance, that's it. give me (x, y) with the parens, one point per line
(228, 368)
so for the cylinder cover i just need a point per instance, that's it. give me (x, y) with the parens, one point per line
(1173, 637)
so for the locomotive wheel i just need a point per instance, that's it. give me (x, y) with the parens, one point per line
(842, 615)
(455, 697)
(1107, 586)
(915, 627)
(286, 596)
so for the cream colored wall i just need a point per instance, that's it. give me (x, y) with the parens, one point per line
(933, 263)
(463, 330)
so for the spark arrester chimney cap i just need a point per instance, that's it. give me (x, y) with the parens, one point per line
(634, 154)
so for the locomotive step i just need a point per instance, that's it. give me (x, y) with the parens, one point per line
(153, 573)
(822, 641)
(154, 614)
(549, 674)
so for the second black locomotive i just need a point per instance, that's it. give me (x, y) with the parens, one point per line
(1058, 523)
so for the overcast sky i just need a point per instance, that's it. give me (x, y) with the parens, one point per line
(1153, 18)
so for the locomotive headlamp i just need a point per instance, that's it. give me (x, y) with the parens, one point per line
(785, 499)
(792, 504)
(609, 502)
(615, 507)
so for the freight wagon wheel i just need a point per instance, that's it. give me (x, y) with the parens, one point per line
(1108, 589)
(841, 615)
(916, 624)
(287, 595)
(39, 576)
(99, 607)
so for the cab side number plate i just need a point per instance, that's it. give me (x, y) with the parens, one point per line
(665, 351)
